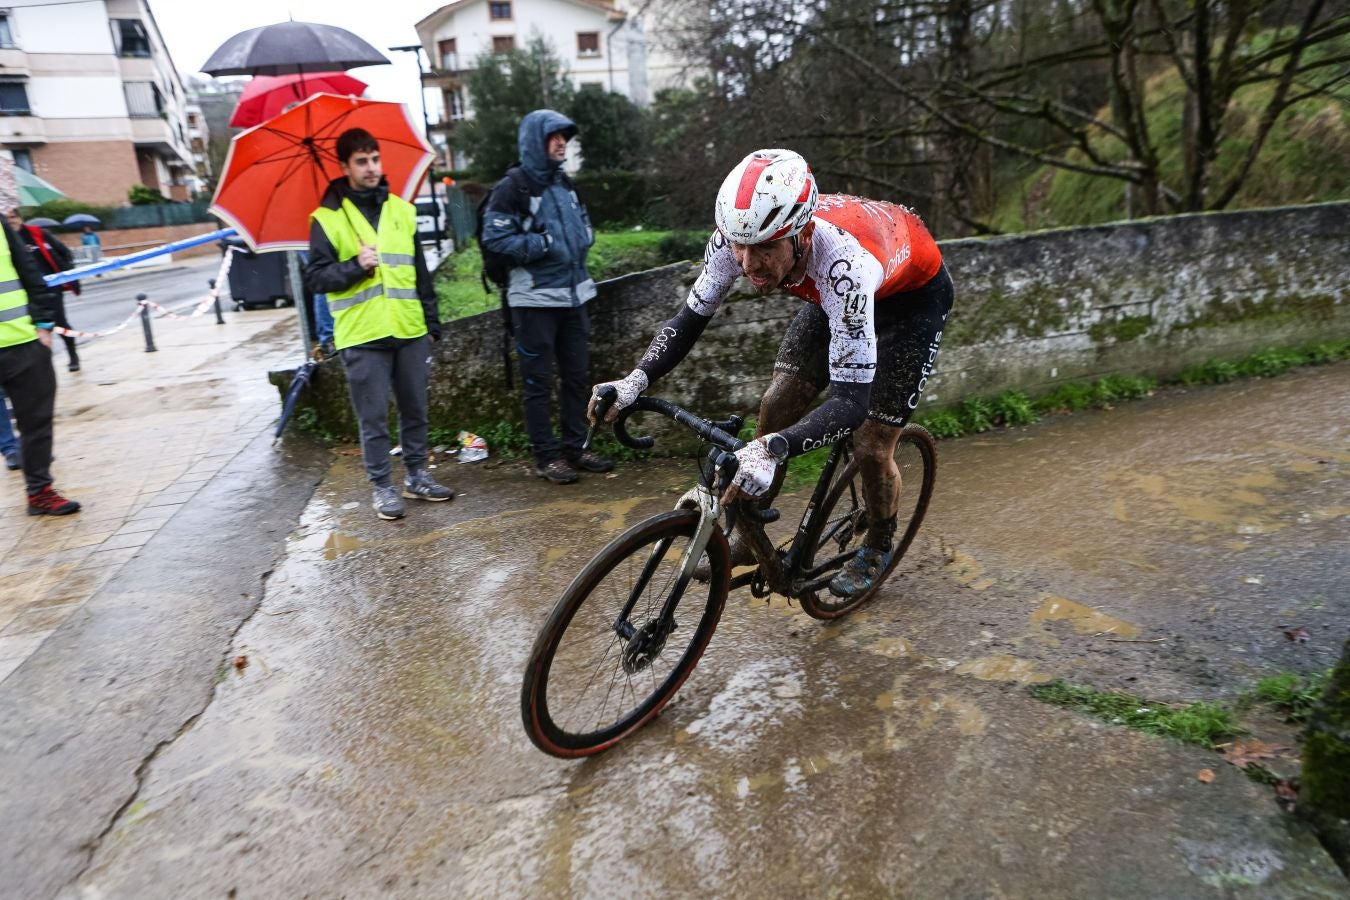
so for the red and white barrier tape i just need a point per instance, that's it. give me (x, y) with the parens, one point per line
(201, 309)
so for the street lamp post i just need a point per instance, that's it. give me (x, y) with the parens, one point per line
(426, 125)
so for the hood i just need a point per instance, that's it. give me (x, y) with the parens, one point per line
(338, 189)
(533, 137)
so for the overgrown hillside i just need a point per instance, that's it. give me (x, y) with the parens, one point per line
(1305, 159)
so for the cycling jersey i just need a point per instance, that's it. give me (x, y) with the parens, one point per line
(863, 252)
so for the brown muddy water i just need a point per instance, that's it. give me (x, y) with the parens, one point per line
(372, 746)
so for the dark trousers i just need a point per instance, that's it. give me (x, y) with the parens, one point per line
(372, 374)
(61, 319)
(549, 338)
(26, 375)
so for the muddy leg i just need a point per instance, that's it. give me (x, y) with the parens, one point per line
(874, 442)
(784, 403)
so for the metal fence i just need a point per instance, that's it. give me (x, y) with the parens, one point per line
(151, 215)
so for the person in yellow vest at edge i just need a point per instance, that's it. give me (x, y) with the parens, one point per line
(364, 255)
(27, 308)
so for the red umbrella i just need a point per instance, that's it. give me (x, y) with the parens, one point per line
(277, 172)
(267, 95)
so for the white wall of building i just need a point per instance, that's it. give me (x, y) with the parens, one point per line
(558, 20)
(65, 28)
(77, 97)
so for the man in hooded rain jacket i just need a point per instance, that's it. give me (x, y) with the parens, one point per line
(540, 224)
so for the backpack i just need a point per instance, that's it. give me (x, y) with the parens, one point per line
(497, 266)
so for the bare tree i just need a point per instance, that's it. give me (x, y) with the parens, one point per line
(928, 98)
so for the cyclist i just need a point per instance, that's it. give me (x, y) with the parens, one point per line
(876, 298)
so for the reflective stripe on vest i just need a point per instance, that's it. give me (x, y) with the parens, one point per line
(375, 306)
(16, 322)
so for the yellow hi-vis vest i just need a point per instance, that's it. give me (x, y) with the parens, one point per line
(385, 302)
(16, 325)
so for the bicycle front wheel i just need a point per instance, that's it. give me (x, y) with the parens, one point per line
(837, 532)
(597, 673)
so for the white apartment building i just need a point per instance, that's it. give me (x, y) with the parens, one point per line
(616, 45)
(90, 100)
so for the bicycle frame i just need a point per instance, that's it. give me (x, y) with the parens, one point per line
(776, 573)
(780, 573)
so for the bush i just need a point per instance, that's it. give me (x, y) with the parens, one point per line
(613, 199)
(59, 209)
(1013, 408)
(1211, 371)
(140, 195)
(681, 245)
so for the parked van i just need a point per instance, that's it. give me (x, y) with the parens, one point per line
(426, 217)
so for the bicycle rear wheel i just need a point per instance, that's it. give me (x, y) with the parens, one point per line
(837, 532)
(594, 676)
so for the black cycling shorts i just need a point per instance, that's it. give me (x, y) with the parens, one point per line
(909, 331)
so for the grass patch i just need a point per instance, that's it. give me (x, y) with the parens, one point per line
(1266, 363)
(459, 283)
(1201, 722)
(1294, 695)
(977, 414)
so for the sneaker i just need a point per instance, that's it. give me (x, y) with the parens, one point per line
(590, 461)
(13, 460)
(860, 573)
(74, 366)
(559, 471)
(386, 503)
(48, 502)
(421, 486)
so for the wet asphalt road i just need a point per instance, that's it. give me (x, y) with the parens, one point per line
(105, 302)
(372, 745)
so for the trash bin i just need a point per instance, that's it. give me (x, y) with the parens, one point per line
(257, 279)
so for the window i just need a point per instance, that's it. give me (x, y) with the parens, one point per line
(503, 44)
(449, 57)
(24, 160)
(499, 10)
(588, 43)
(130, 37)
(144, 99)
(13, 99)
(454, 106)
(6, 35)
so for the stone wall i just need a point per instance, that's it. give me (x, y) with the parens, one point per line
(1148, 297)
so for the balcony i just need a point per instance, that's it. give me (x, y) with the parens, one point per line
(20, 129)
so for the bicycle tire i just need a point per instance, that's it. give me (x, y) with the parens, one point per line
(848, 489)
(542, 722)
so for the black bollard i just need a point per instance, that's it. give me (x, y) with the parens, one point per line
(145, 324)
(220, 320)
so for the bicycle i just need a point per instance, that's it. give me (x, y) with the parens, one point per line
(619, 615)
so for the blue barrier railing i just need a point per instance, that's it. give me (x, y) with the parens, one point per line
(119, 262)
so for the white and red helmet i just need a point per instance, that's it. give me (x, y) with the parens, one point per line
(771, 194)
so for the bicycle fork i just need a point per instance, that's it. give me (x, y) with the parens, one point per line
(645, 644)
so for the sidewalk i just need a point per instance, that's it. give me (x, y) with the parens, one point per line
(136, 435)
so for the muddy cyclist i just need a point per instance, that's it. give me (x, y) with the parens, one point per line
(876, 296)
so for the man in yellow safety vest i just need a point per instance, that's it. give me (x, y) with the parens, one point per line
(27, 308)
(365, 257)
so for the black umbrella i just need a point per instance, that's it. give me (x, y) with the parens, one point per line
(290, 47)
(298, 384)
